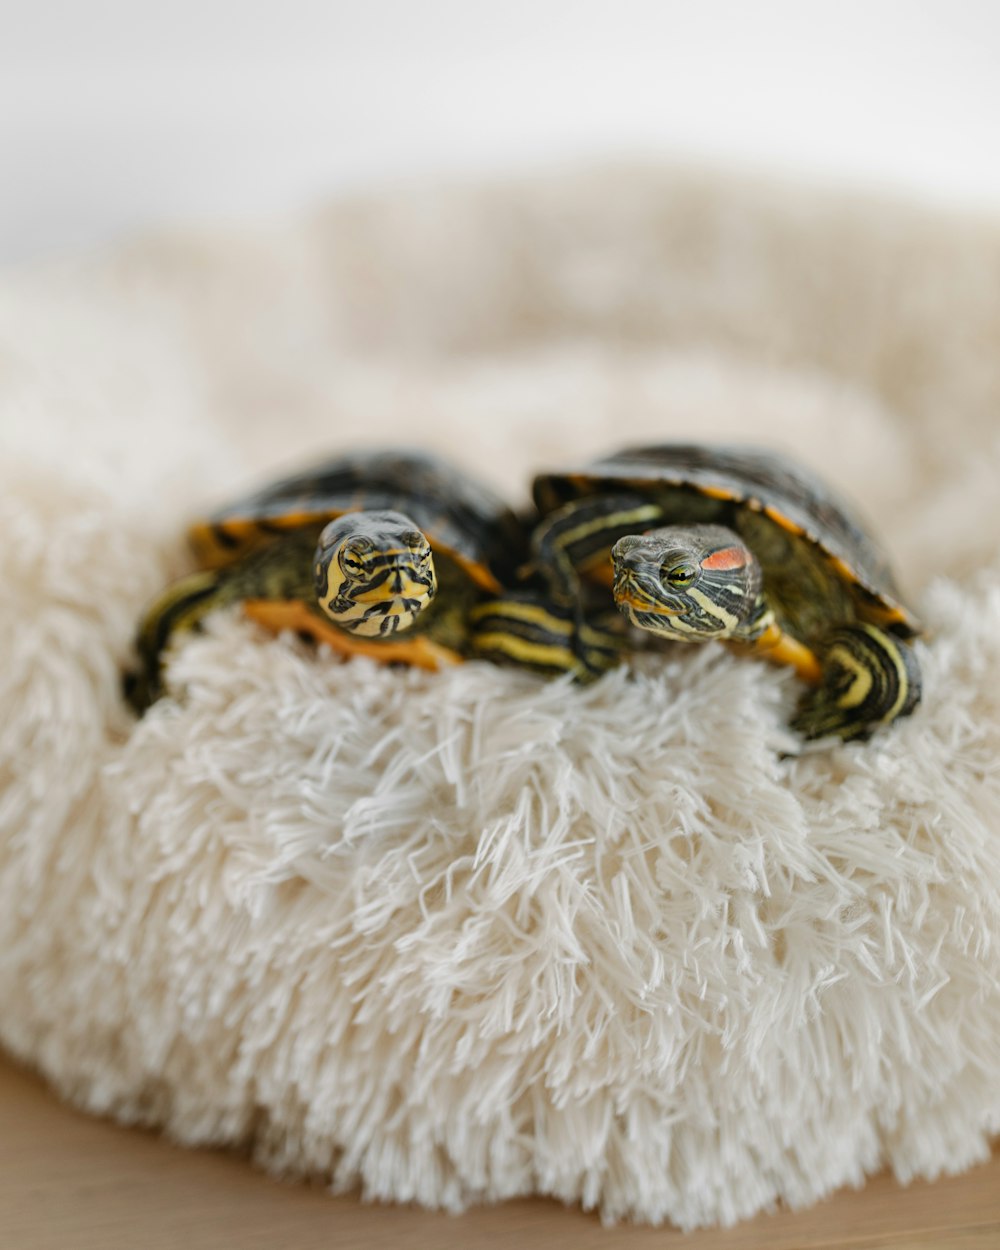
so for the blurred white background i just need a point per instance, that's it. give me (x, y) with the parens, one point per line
(116, 115)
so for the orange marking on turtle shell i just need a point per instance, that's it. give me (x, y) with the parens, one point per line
(297, 520)
(480, 574)
(209, 552)
(714, 492)
(843, 568)
(785, 522)
(248, 535)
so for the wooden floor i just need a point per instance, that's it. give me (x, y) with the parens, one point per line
(71, 1183)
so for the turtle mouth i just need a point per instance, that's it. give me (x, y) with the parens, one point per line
(629, 595)
(648, 607)
(387, 603)
(382, 621)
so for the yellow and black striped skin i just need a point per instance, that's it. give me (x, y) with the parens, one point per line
(533, 632)
(373, 573)
(823, 577)
(870, 679)
(181, 607)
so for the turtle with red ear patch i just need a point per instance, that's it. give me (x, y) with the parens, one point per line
(742, 545)
(691, 583)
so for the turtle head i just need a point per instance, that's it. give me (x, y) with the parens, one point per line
(374, 572)
(694, 582)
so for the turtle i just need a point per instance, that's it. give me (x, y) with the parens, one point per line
(397, 555)
(743, 544)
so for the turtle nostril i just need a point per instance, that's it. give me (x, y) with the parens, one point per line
(624, 587)
(627, 550)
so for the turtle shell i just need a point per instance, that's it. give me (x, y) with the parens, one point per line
(716, 482)
(459, 515)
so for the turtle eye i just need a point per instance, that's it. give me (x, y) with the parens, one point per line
(353, 554)
(680, 574)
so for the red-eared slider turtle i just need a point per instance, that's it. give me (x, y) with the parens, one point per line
(741, 544)
(395, 555)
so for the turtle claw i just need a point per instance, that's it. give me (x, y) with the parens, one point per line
(817, 717)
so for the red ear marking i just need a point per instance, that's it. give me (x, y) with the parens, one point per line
(727, 558)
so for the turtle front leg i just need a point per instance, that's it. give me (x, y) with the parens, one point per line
(575, 541)
(531, 632)
(869, 679)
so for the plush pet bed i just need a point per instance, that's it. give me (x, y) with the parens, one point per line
(454, 937)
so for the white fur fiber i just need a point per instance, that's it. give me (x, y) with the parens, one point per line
(462, 936)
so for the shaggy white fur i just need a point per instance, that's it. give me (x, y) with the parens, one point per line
(468, 935)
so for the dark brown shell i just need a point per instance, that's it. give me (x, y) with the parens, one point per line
(459, 515)
(740, 477)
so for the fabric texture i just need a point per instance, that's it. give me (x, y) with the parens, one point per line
(454, 937)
